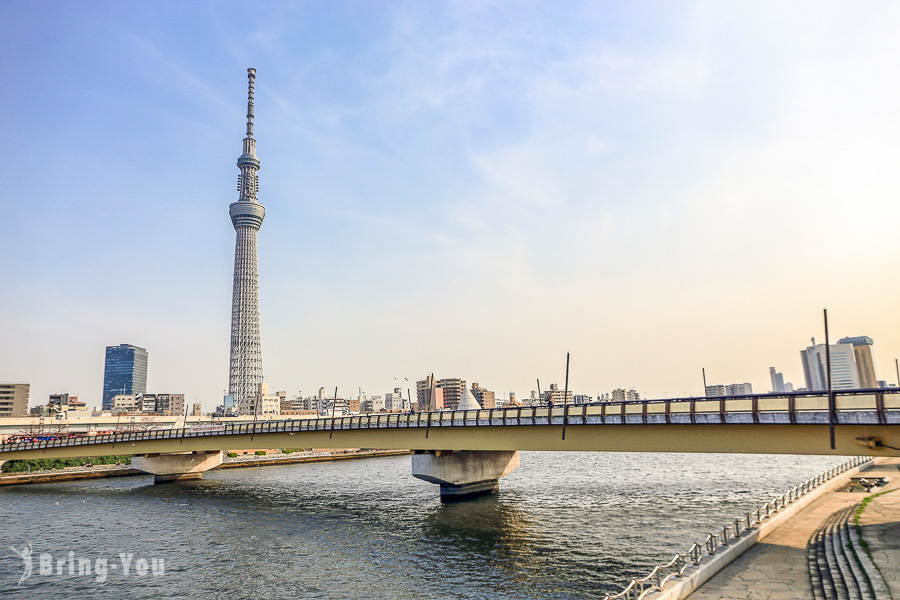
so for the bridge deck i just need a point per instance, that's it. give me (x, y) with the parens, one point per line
(791, 423)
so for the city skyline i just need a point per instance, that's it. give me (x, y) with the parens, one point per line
(458, 190)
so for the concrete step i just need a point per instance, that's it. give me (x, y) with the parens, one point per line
(862, 588)
(835, 569)
(845, 581)
(876, 586)
(820, 576)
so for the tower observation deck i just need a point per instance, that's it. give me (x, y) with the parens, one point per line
(247, 214)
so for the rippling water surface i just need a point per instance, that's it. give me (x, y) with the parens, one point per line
(565, 525)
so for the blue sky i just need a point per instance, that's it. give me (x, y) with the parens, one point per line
(471, 189)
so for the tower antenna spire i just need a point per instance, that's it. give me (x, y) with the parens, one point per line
(248, 182)
(251, 77)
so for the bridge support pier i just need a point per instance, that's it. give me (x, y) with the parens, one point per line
(177, 467)
(464, 474)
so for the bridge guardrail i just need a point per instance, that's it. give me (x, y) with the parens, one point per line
(864, 407)
(655, 581)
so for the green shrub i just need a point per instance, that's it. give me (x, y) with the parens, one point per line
(287, 451)
(37, 464)
(232, 455)
(260, 452)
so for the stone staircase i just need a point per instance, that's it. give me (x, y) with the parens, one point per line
(839, 568)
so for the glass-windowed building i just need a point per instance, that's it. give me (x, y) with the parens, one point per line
(125, 373)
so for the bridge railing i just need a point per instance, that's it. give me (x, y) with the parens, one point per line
(875, 407)
(655, 581)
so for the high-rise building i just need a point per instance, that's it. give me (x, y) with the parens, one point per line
(437, 394)
(14, 399)
(247, 214)
(125, 372)
(424, 388)
(865, 365)
(778, 382)
(844, 374)
(485, 397)
(453, 391)
(429, 396)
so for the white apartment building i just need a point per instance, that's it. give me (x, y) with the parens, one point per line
(268, 404)
(844, 373)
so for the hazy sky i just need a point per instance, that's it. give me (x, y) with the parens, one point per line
(471, 189)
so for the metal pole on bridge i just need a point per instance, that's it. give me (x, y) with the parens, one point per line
(333, 409)
(430, 407)
(184, 426)
(831, 403)
(566, 399)
(704, 382)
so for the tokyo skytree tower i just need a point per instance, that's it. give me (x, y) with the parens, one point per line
(247, 215)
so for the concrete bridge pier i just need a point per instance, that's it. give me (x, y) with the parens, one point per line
(464, 474)
(177, 467)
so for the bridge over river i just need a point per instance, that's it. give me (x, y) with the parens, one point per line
(466, 452)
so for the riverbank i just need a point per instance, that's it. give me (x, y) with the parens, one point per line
(302, 457)
(101, 471)
(816, 549)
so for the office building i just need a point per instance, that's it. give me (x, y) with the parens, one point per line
(125, 372)
(844, 374)
(865, 364)
(14, 399)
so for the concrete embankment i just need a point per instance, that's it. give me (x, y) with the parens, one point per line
(68, 475)
(811, 554)
(297, 458)
(101, 471)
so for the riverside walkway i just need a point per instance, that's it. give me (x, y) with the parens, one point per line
(820, 541)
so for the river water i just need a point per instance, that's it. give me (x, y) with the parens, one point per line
(564, 525)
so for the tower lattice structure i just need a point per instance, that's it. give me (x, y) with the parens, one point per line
(247, 214)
